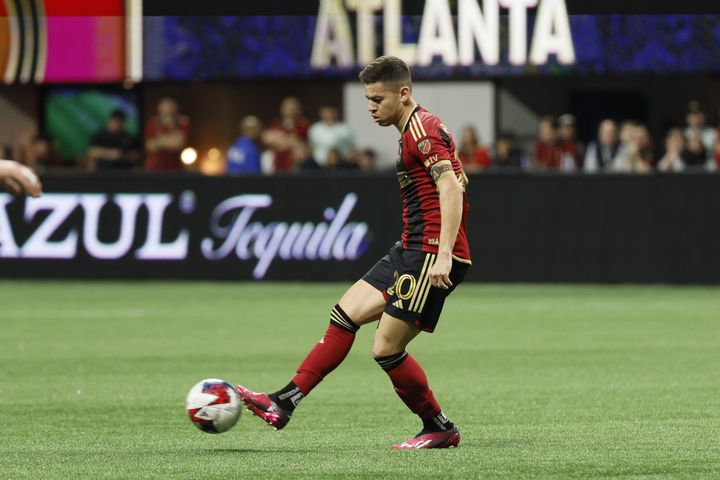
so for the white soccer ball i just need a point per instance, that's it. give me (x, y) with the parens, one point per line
(213, 405)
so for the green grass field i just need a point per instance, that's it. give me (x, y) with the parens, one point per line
(543, 381)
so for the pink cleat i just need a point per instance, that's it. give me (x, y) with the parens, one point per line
(448, 439)
(262, 406)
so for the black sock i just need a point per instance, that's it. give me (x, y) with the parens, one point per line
(288, 397)
(438, 423)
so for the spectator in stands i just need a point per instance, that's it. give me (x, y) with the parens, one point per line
(715, 163)
(547, 151)
(473, 154)
(284, 134)
(302, 157)
(165, 137)
(602, 152)
(695, 154)
(329, 133)
(625, 135)
(672, 160)
(625, 131)
(696, 127)
(335, 161)
(40, 154)
(243, 157)
(571, 149)
(635, 154)
(113, 147)
(645, 152)
(366, 160)
(508, 154)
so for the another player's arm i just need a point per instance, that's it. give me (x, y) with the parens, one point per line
(451, 205)
(17, 178)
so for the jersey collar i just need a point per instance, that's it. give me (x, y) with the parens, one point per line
(407, 122)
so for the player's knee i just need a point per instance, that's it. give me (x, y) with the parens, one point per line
(385, 347)
(340, 318)
(360, 313)
(388, 362)
(380, 351)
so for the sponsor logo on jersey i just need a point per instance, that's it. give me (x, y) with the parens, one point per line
(430, 160)
(424, 146)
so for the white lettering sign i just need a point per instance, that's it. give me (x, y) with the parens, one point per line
(72, 221)
(233, 232)
(332, 35)
(481, 28)
(43, 243)
(552, 29)
(476, 30)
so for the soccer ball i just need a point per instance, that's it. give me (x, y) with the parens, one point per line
(213, 405)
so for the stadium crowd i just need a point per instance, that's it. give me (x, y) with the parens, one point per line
(291, 143)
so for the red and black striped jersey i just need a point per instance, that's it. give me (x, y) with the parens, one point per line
(425, 142)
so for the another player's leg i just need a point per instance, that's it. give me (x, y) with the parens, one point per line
(361, 304)
(411, 384)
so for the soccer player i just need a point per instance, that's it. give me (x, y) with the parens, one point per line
(17, 178)
(406, 289)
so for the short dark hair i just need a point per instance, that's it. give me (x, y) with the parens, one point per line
(387, 69)
(118, 114)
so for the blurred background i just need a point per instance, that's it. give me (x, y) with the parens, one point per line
(239, 146)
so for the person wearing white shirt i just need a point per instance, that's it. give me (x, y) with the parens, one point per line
(601, 154)
(696, 127)
(330, 133)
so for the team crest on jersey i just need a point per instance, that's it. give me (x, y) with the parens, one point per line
(424, 146)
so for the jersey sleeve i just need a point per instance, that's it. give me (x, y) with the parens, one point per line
(433, 146)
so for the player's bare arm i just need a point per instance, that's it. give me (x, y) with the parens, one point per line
(17, 178)
(451, 201)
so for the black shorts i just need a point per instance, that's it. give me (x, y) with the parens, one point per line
(402, 277)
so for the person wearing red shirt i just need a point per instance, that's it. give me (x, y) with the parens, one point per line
(283, 134)
(548, 154)
(165, 137)
(570, 147)
(406, 289)
(473, 155)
